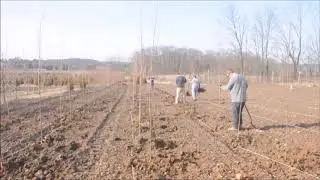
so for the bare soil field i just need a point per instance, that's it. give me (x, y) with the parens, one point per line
(25, 93)
(96, 134)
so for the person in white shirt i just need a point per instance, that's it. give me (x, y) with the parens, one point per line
(195, 85)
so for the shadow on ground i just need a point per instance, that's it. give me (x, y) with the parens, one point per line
(303, 125)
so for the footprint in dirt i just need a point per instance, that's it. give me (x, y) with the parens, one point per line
(117, 139)
(171, 145)
(144, 129)
(161, 144)
(173, 129)
(163, 126)
(138, 144)
(163, 178)
(162, 118)
(140, 140)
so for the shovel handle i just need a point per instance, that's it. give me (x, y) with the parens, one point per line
(248, 112)
(249, 115)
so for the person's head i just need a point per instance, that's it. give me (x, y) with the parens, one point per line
(194, 76)
(229, 72)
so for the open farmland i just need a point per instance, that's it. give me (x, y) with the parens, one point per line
(88, 90)
(96, 133)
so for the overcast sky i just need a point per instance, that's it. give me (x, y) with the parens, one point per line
(87, 29)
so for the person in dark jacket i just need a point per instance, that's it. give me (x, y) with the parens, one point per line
(152, 82)
(180, 93)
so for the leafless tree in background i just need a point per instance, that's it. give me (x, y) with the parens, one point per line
(291, 39)
(256, 44)
(3, 82)
(263, 29)
(237, 27)
(314, 46)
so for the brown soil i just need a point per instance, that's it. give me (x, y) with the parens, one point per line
(95, 135)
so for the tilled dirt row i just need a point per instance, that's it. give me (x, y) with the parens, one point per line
(26, 126)
(86, 164)
(26, 118)
(277, 98)
(267, 119)
(16, 105)
(298, 149)
(115, 145)
(180, 147)
(62, 140)
(100, 139)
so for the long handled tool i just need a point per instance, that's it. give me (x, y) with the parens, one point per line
(1, 168)
(249, 117)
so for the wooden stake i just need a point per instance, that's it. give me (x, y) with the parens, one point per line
(208, 75)
(39, 69)
(219, 86)
(140, 71)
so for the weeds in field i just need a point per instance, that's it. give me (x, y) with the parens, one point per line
(48, 79)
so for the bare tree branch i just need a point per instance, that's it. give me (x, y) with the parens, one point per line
(237, 28)
(263, 28)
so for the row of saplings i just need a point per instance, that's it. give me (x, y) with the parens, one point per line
(54, 80)
(143, 80)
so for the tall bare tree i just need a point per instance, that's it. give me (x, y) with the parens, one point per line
(315, 40)
(237, 27)
(262, 33)
(256, 44)
(291, 39)
(268, 32)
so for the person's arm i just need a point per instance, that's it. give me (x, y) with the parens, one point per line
(230, 84)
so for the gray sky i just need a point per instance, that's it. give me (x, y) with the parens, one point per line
(100, 29)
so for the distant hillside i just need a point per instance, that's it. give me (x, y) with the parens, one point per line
(168, 60)
(64, 64)
(116, 65)
(74, 63)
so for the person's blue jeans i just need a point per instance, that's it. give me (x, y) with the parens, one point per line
(195, 91)
(237, 108)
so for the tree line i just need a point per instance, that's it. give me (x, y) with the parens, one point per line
(171, 60)
(289, 41)
(264, 47)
